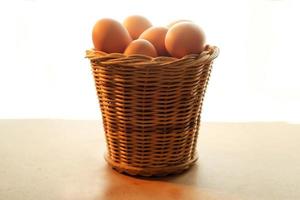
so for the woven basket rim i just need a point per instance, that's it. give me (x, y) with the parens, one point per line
(209, 54)
(151, 171)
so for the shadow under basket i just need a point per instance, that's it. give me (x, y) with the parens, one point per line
(151, 109)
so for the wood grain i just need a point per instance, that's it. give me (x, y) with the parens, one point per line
(63, 160)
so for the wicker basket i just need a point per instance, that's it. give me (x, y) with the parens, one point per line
(151, 109)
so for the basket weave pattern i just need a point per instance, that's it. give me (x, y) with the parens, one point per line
(151, 109)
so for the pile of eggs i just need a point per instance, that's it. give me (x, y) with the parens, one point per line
(137, 36)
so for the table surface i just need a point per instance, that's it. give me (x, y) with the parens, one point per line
(63, 160)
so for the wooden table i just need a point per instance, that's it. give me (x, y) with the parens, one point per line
(63, 160)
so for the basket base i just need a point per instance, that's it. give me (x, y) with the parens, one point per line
(147, 172)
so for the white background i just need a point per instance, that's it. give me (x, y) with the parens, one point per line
(43, 72)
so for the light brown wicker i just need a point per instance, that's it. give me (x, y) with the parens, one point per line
(151, 109)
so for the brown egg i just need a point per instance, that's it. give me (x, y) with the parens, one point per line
(176, 22)
(110, 36)
(184, 38)
(141, 46)
(156, 35)
(136, 24)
